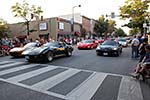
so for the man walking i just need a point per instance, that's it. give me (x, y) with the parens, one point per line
(134, 45)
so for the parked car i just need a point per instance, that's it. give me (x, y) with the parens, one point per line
(123, 42)
(109, 47)
(17, 51)
(48, 51)
(87, 44)
(99, 40)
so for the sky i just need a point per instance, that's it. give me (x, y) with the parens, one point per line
(53, 8)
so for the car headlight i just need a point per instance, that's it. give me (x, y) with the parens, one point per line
(78, 43)
(114, 48)
(98, 47)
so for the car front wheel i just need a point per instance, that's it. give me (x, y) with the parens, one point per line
(69, 53)
(118, 53)
(49, 56)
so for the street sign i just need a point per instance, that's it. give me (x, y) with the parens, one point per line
(144, 25)
(71, 21)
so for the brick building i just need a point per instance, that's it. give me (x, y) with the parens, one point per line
(53, 27)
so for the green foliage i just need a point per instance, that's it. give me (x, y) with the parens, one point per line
(4, 29)
(101, 26)
(136, 11)
(33, 30)
(104, 26)
(120, 32)
(26, 12)
(111, 26)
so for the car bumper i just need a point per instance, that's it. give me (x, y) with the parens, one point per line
(110, 52)
(35, 58)
(84, 47)
(16, 54)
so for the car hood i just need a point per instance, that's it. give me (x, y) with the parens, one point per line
(17, 49)
(34, 51)
(85, 43)
(107, 46)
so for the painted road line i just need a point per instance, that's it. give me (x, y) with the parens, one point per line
(31, 74)
(17, 69)
(87, 90)
(130, 89)
(43, 76)
(51, 82)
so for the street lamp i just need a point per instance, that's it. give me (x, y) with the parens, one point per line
(72, 20)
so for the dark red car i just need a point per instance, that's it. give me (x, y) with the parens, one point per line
(87, 44)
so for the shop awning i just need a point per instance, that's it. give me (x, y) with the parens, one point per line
(22, 36)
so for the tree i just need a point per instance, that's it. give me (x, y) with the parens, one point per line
(120, 32)
(4, 29)
(104, 26)
(101, 26)
(111, 26)
(26, 12)
(136, 11)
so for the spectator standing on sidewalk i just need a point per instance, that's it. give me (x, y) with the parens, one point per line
(142, 50)
(134, 45)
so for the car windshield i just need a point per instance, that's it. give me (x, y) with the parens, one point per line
(87, 41)
(53, 44)
(113, 43)
(122, 40)
(30, 45)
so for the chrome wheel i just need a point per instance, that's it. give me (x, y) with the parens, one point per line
(49, 56)
(69, 53)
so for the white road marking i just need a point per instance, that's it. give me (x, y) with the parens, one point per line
(30, 74)
(52, 81)
(130, 89)
(16, 69)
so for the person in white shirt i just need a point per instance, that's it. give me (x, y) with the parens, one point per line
(134, 45)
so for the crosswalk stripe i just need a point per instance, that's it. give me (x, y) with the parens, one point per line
(31, 74)
(130, 89)
(86, 91)
(4, 62)
(16, 69)
(11, 64)
(50, 82)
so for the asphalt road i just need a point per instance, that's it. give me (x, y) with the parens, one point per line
(83, 76)
(88, 60)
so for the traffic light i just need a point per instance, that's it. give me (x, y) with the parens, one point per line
(112, 14)
(32, 16)
(41, 18)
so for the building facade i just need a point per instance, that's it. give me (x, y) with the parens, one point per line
(55, 27)
(47, 28)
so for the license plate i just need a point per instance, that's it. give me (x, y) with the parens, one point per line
(26, 57)
(105, 54)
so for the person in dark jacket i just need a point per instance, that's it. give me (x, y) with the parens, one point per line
(144, 64)
(141, 49)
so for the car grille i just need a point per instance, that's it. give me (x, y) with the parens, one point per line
(106, 49)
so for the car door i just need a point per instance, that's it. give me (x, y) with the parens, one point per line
(94, 44)
(61, 48)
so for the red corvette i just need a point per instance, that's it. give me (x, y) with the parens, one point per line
(99, 40)
(87, 44)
